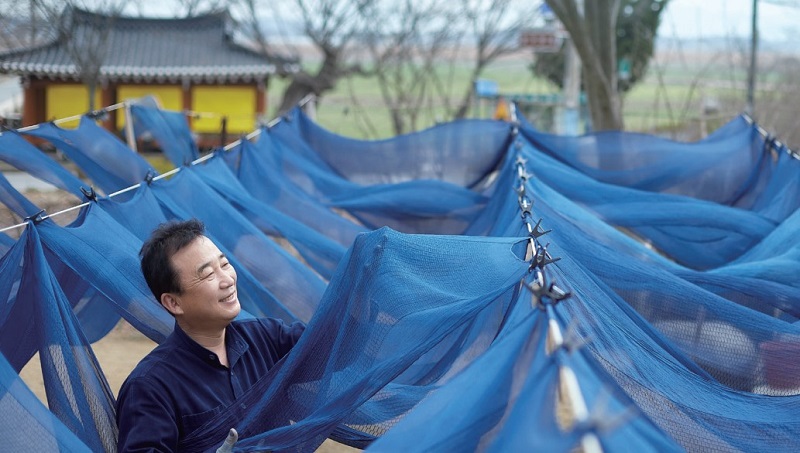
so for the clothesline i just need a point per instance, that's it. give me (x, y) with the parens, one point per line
(545, 286)
(199, 160)
(112, 107)
(777, 144)
(136, 186)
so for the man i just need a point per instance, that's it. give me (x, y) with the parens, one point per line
(209, 360)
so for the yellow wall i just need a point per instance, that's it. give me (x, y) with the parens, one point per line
(65, 100)
(170, 97)
(237, 102)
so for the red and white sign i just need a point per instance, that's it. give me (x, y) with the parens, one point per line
(542, 39)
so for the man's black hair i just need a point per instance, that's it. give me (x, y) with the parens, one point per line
(156, 252)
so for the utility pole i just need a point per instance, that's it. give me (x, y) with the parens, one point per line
(572, 90)
(751, 72)
(570, 118)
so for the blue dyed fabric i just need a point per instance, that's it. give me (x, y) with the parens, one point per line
(16, 151)
(108, 162)
(169, 129)
(615, 290)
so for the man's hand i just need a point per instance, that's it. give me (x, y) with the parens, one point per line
(227, 446)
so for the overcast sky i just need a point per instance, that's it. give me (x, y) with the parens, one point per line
(778, 20)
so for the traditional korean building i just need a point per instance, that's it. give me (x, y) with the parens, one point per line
(190, 64)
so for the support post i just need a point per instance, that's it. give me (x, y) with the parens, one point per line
(129, 135)
(751, 71)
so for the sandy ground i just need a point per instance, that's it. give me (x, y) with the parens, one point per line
(119, 351)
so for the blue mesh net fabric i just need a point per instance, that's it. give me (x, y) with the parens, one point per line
(112, 166)
(613, 290)
(170, 130)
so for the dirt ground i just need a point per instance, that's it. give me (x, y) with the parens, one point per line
(119, 351)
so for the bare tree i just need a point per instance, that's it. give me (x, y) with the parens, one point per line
(495, 26)
(251, 26)
(406, 41)
(21, 24)
(85, 36)
(189, 8)
(331, 25)
(593, 32)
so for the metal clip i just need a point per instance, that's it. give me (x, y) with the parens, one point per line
(89, 193)
(148, 178)
(543, 258)
(556, 294)
(573, 340)
(36, 218)
(520, 190)
(538, 231)
(97, 115)
(530, 229)
(525, 206)
(536, 288)
(601, 420)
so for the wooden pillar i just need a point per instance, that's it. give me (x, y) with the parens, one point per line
(187, 99)
(33, 109)
(108, 96)
(261, 98)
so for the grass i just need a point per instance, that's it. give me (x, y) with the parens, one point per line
(355, 108)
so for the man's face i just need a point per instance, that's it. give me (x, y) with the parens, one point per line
(208, 297)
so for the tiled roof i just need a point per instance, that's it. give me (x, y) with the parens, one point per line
(198, 48)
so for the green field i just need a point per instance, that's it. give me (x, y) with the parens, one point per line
(671, 102)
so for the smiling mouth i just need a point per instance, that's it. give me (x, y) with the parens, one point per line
(230, 298)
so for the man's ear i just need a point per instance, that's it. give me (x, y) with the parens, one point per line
(172, 303)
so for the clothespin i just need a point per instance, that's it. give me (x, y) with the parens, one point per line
(520, 190)
(36, 218)
(89, 193)
(556, 294)
(525, 206)
(543, 293)
(542, 258)
(573, 340)
(97, 115)
(148, 178)
(538, 231)
(600, 420)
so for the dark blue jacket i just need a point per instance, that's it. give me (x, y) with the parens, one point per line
(180, 384)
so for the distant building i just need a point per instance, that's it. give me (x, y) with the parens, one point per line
(187, 64)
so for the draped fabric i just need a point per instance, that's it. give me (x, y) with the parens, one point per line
(479, 285)
(27, 425)
(462, 152)
(169, 129)
(717, 168)
(40, 315)
(412, 206)
(266, 180)
(110, 163)
(16, 151)
(320, 252)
